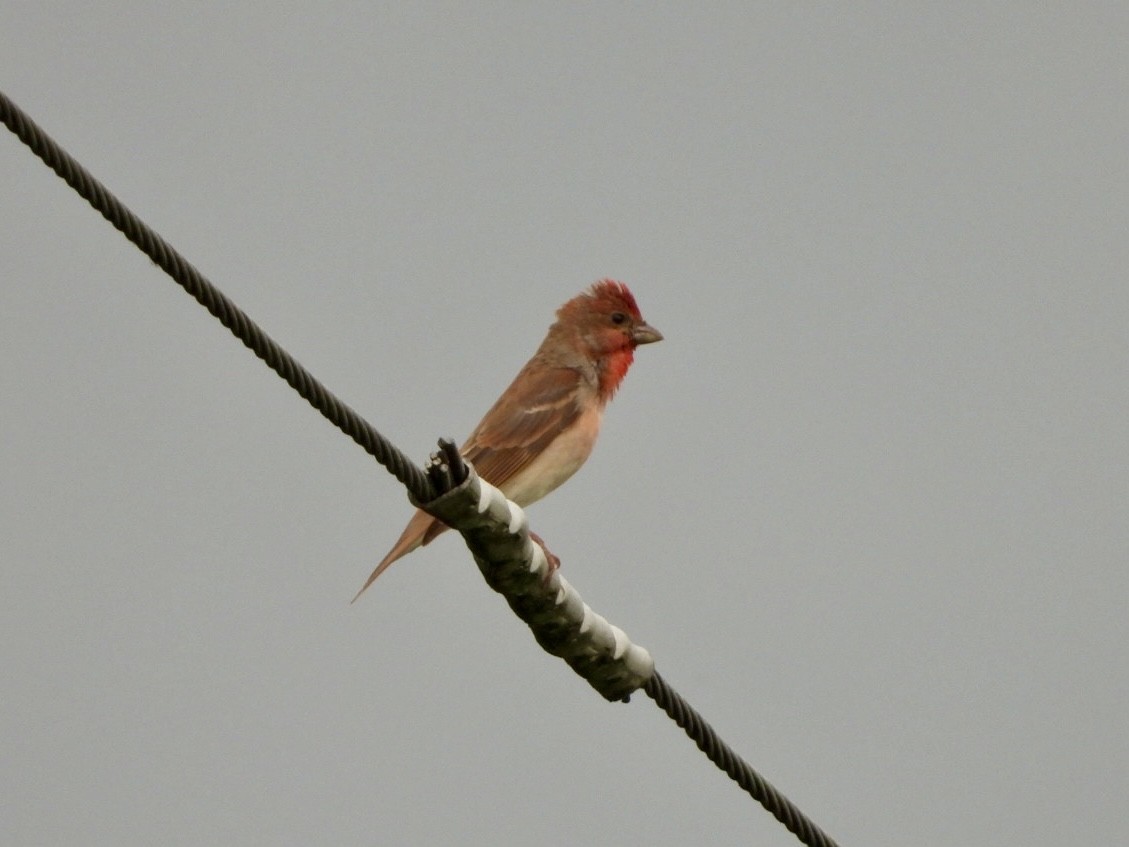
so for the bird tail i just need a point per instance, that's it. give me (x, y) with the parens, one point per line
(421, 529)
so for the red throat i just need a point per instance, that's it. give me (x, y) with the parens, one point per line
(614, 369)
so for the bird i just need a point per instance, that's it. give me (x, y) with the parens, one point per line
(544, 425)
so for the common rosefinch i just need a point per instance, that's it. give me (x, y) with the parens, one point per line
(543, 427)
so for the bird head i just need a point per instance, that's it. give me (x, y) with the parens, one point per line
(608, 319)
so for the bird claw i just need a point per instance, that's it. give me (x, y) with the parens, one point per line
(553, 560)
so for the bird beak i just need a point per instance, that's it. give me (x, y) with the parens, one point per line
(644, 333)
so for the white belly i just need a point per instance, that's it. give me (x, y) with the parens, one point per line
(561, 459)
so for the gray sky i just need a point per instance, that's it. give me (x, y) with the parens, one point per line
(866, 505)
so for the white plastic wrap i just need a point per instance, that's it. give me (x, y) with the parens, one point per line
(497, 533)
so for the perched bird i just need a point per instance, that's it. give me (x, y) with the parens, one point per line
(543, 427)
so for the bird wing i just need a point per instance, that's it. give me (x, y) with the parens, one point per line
(539, 405)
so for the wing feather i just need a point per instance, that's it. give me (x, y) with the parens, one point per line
(539, 405)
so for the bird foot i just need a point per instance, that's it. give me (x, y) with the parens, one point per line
(552, 558)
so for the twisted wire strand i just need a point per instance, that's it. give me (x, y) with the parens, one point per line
(212, 299)
(718, 752)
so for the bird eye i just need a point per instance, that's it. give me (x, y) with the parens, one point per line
(618, 317)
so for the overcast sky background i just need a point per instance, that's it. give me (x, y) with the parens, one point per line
(866, 504)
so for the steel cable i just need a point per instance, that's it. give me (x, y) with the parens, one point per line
(740, 771)
(364, 434)
(215, 301)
